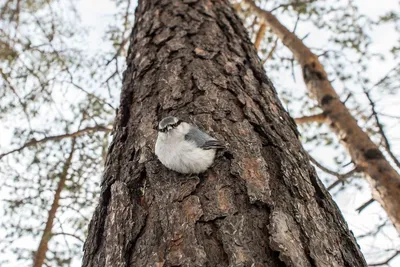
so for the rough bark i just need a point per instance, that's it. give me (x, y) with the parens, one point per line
(40, 254)
(382, 177)
(261, 204)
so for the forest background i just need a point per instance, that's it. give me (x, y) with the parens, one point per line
(61, 66)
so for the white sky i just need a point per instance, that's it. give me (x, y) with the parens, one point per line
(96, 14)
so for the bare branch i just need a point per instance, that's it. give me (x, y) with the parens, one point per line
(386, 143)
(374, 231)
(366, 204)
(126, 29)
(272, 51)
(119, 51)
(14, 90)
(387, 76)
(295, 4)
(386, 261)
(347, 98)
(323, 168)
(341, 177)
(68, 234)
(88, 93)
(33, 142)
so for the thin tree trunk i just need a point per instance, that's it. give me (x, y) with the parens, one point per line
(382, 177)
(261, 204)
(260, 35)
(40, 255)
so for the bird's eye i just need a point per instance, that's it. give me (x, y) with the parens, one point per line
(176, 124)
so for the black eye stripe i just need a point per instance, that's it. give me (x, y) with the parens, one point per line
(176, 124)
(171, 125)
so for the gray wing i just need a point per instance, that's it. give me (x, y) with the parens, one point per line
(203, 140)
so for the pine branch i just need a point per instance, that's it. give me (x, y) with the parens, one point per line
(313, 118)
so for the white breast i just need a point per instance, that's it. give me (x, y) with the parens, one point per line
(181, 156)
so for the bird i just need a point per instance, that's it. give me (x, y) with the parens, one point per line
(183, 147)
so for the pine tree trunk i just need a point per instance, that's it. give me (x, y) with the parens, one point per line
(261, 204)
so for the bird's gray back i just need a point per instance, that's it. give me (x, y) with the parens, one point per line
(201, 139)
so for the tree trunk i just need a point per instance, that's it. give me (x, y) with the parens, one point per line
(40, 254)
(382, 177)
(261, 204)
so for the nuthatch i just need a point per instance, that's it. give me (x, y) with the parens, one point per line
(183, 147)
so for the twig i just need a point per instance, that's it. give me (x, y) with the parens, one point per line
(384, 78)
(295, 4)
(292, 66)
(341, 177)
(118, 53)
(375, 231)
(68, 234)
(272, 51)
(386, 261)
(347, 98)
(366, 204)
(386, 143)
(323, 168)
(14, 90)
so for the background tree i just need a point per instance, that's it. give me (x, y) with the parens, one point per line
(47, 99)
(61, 76)
(366, 156)
(349, 58)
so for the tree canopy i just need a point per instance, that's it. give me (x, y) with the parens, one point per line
(61, 65)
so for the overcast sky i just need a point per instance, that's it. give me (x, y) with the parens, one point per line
(97, 14)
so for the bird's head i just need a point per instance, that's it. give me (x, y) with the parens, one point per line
(168, 124)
